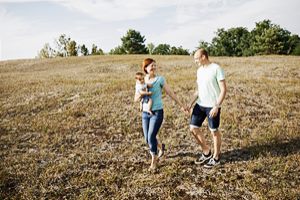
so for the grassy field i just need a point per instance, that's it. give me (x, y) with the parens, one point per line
(69, 130)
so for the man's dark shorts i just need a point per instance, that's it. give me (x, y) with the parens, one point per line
(200, 113)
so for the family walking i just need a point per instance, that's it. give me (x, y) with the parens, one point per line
(211, 90)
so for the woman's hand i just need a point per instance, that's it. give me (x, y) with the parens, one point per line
(185, 109)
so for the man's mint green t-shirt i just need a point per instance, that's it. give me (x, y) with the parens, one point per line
(208, 78)
(156, 89)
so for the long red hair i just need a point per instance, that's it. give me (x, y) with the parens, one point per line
(147, 62)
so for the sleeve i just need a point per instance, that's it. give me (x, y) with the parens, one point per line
(137, 88)
(220, 74)
(162, 81)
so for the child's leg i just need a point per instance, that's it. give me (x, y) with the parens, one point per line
(141, 105)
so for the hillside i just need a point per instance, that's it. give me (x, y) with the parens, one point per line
(69, 130)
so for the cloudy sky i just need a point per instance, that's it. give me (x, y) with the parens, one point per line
(26, 25)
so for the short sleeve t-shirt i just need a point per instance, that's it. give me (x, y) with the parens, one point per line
(156, 89)
(140, 87)
(208, 84)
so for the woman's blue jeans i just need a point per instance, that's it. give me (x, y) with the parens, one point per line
(151, 125)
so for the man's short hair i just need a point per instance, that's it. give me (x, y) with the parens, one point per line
(203, 52)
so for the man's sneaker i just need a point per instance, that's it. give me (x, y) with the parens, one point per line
(212, 162)
(161, 151)
(203, 158)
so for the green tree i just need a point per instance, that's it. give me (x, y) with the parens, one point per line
(46, 52)
(231, 42)
(133, 43)
(294, 42)
(72, 48)
(268, 38)
(119, 50)
(96, 51)
(61, 45)
(296, 50)
(65, 46)
(162, 49)
(150, 48)
(179, 51)
(84, 50)
(203, 45)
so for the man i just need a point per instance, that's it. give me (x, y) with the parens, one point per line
(210, 95)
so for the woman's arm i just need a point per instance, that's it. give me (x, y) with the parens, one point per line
(170, 92)
(145, 93)
(194, 100)
(140, 94)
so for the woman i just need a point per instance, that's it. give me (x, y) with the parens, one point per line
(152, 122)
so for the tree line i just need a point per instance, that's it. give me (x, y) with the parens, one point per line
(265, 39)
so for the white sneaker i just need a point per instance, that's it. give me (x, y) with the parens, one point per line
(212, 162)
(203, 158)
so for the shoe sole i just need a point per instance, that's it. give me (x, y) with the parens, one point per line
(199, 163)
(210, 166)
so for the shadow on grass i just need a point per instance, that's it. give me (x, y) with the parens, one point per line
(274, 149)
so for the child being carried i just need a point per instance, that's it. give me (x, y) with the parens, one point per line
(142, 88)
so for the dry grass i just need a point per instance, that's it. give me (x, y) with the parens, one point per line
(69, 130)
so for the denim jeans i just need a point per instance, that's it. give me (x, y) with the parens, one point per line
(151, 125)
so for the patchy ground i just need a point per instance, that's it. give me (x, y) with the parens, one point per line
(69, 130)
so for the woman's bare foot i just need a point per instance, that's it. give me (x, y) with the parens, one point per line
(153, 165)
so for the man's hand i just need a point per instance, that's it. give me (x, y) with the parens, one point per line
(185, 109)
(213, 112)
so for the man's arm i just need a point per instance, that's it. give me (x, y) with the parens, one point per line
(223, 89)
(214, 111)
(170, 92)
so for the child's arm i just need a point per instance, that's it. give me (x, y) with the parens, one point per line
(137, 97)
(145, 93)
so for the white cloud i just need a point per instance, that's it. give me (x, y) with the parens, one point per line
(195, 26)
(104, 22)
(11, 27)
(116, 10)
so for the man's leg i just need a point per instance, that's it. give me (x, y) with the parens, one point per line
(217, 144)
(200, 139)
(213, 126)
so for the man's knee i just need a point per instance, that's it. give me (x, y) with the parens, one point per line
(193, 129)
(215, 132)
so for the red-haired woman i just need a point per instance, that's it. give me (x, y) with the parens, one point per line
(152, 122)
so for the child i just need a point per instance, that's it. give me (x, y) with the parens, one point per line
(142, 88)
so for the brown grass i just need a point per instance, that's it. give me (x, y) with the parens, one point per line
(70, 130)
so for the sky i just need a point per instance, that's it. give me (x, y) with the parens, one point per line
(26, 25)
